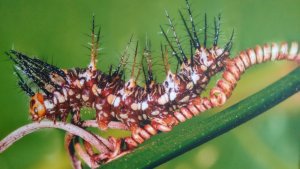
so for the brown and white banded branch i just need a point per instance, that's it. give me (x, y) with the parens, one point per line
(236, 66)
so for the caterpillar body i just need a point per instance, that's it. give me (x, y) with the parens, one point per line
(144, 110)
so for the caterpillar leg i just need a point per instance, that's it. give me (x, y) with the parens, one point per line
(75, 118)
(103, 113)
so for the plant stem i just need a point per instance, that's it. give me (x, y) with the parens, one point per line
(197, 131)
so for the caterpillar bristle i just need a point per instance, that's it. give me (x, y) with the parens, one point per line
(95, 38)
(164, 55)
(192, 54)
(134, 60)
(123, 59)
(228, 45)
(217, 25)
(177, 41)
(205, 30)
(196, 39)
(148, 56)
(171, 46)
(188, 30)
(24, 87)
(33, 73)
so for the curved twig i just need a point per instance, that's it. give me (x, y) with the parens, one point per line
(75, 130)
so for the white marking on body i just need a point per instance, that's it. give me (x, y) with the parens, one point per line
(163, 99)
(131, 120)
(111, 98)
(68, 80)
(82, 82)
(140, 117)
(78, 96)
(204, 59)
(113, 114)
(123, 94)
(85, 97)
(105, 114)
(124, 116)
(144, 105)
(185, 99)
(71, 92)
(94, 90)
(190, 86)
(173, 95)
(86, 75)
(144, 116)
(99, 90)
(99, 106)
(195, 77)
(134, 106)
(48, 104)
(65, 93)
(172, 86)
(117, 101)
(154, 113)
(203, 68)
(59, 97)
(54, 100)
(139, 106)
(219, 51)
(52, 112)
(77, 83)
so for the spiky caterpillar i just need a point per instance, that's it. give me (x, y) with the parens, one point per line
(145, 110)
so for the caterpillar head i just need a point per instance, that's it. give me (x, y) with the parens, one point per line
(37, 107)
(45, 76)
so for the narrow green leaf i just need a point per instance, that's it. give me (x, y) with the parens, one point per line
(197, 131)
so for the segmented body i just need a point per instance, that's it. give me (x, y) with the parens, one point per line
(149, 109)
(131, 104)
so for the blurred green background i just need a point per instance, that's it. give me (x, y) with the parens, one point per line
(56, 31)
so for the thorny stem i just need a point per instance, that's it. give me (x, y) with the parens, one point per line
(196, 131)
(75, 130)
